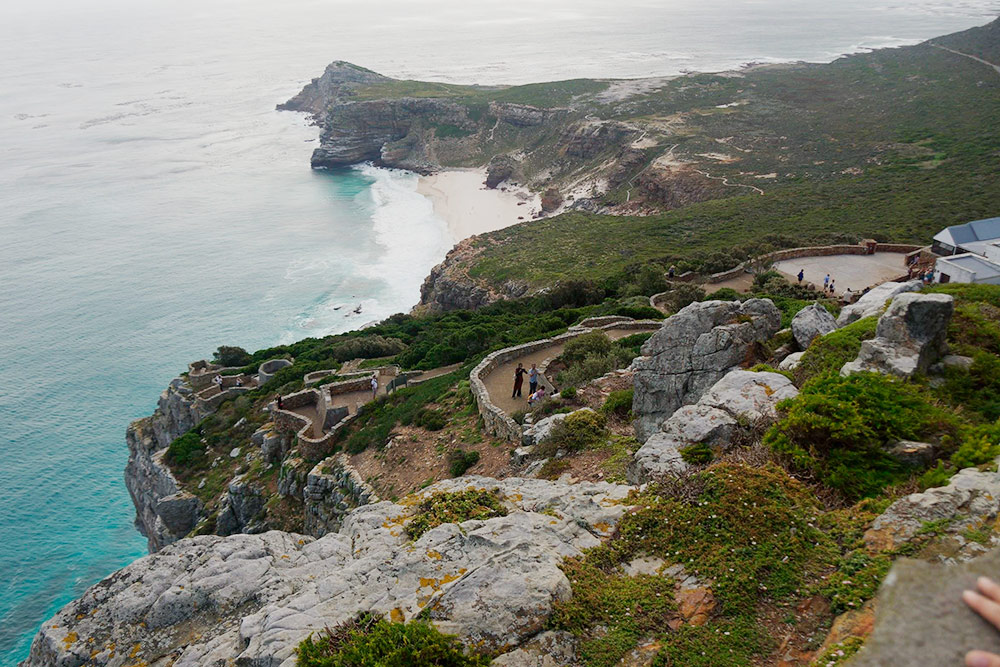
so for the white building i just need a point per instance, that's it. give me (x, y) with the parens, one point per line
(973, 253)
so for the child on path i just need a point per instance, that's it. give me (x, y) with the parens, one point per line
(533, 379)
(802, 274)
(536, 396)
(518, 380)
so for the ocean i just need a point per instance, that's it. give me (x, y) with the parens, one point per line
(154, 205)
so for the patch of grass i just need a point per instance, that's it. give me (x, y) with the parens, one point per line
(619, 404)
(553, 468)
(186, 448)
(456, 507)
(697, 454)
(829, 353)
(371, 641)
(578, 431)
(856, 579)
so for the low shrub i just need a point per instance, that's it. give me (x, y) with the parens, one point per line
(455, 507)
(459, 461)
(230, 355)
(980, 444)
(723, 294)
(936, 476)
(432, 420)
(186, 448)
(837, 428)
(594, 343)
(619, 404)
(829, 353)
(578, 431)
(697, 454)
(567, 393)
(370, 641)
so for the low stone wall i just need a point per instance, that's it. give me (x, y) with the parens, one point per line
(215, 400)
(813, 251)
(333, 488)
(495, 420)
(267, 369)
(594, 322)
(318, 375)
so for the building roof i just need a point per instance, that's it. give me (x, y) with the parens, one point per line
(970, 232)
(980, 266)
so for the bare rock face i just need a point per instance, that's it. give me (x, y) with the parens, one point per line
(250, 599)
(971, 499)
(873, 302)
(921, 618)
(810, 323)
(499, 169)
(909, 338)
(740, 395)
(692, 351)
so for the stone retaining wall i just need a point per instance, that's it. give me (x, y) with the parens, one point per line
(495, 420)
(267, 369)
(333, 488)
(814, 251)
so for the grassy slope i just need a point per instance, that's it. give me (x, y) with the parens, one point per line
(916, 124)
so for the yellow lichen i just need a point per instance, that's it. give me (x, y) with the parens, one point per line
(396, 615)
(433, 554)
(70, 639)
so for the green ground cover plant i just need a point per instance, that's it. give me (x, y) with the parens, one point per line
(371, 641)
(455, 507)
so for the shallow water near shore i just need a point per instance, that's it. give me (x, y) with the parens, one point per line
(155, 206)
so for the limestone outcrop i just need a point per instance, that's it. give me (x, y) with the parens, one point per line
(810, 323)
(164, 513)
(970, 500)
(741, 396)
(692, 351)
(873, 302)
(250, 599)
(909, 338)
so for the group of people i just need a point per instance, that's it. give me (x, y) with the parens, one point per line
(535, 392)
(218, 381)
(829, 284)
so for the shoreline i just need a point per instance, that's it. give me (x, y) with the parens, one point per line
(461, 199)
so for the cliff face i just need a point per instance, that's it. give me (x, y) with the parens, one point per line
(164, 512)
(250, 599)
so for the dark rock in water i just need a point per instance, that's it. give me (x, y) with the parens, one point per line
(922, 620)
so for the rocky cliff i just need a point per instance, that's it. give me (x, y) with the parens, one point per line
(164, 512)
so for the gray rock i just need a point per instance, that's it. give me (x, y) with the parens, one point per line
(750, 395)
(971, 499)
(234, 453)
(240, 509)
(791, 362)
(542, 431)
(693, 350)
(909, 338)
(921, 618)
(521, 455)
(810, 323)
(913, 453)
(250, 599)
(553, 648)
(952, 361)
(873, 302)
(740, 395)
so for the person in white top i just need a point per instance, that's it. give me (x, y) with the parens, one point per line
(374, 387)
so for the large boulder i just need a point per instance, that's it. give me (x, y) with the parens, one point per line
(970, 500)
(921, 618)
(692, 351)
(810, 323)
(250, 599)
(909, 338)
(713, 420)
(874, 301)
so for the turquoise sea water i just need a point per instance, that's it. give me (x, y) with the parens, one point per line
(153, 205)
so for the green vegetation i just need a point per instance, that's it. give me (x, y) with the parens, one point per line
(829, 353)
(593, 354)
(459, 461)
(750, 530)
(371, 641)
(619, 404)
(186, 448)
(578, 431)
(228, 355)
(837, 429)
(456, 507)
(698, 453)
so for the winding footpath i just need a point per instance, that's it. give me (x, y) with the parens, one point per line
(996, 68)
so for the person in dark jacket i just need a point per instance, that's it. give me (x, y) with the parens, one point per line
(519, 373)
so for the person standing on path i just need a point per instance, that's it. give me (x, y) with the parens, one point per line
(833, 289)
(826, 282)
(518, 380)
(533, 379)
(374, 387)
(802, 274)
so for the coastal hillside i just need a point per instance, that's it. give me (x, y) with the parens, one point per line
(699, 170)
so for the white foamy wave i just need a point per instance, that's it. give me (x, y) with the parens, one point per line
(408, 240)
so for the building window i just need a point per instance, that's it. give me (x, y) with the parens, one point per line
(944, 278)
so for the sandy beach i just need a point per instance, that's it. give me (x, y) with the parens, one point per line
(469, 208)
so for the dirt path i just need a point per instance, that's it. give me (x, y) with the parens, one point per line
(500, 382)
(967, 55)
(725, 181)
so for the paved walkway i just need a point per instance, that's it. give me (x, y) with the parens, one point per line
(849, 271)
(500, 381)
